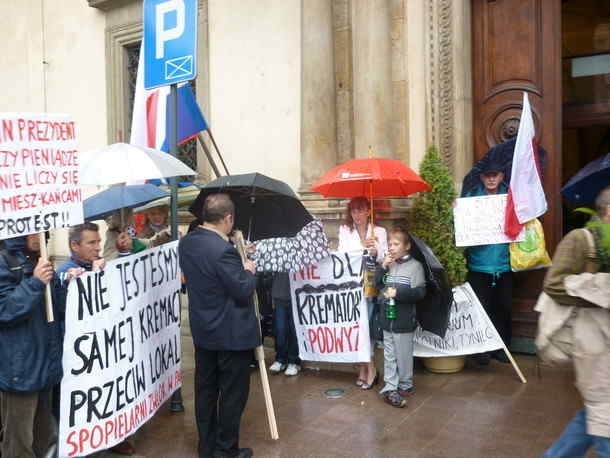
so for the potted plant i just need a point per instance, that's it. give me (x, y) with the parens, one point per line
(431, 219)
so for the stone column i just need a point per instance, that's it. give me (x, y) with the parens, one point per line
(318, 121)
(202, 85)
(344, 86)
(416, 77)
(448, 76)
(372, 54)
(400, 118)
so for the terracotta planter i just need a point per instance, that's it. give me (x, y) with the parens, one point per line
(445, 364)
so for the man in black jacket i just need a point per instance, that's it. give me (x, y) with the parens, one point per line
(223, 325)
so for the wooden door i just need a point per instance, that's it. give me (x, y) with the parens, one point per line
(516, 48)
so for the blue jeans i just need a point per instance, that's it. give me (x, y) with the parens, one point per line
(286, 345)
(574, 441)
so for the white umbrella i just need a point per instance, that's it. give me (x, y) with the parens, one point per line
(122, 162)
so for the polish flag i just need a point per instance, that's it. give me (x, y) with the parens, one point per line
(149, 112)
(526, 199)
(150, 120)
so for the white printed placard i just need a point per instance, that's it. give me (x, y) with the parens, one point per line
(39, 187)
(329, 310)
(121, 355)
(470, 330)
(480, 221)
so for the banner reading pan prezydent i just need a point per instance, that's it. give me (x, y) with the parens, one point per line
(39, 187)
(121, 349)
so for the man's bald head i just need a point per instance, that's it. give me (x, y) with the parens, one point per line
(602, 204)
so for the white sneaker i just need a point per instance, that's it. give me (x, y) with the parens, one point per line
(292, 369)
(277, 367)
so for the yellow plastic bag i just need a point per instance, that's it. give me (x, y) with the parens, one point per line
(531, 252)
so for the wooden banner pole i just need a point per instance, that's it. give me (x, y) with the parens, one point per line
(208, 154)
(514, 363)
(209, 131)
(47, 290)
(259, 352)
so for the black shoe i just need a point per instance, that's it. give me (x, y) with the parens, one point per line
(241, 453)
(244, 453)
(501, 357)
(482, 359)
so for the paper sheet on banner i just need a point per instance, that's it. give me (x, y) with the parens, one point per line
(330, 312)
(470, 330)
(480, 221)
(38, 174)
(121, 359)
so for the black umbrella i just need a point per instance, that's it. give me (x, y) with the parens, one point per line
(502, 157)
(264, 207)
(434, 309)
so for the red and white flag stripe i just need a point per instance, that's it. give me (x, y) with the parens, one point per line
(526, 199)
(148, 120)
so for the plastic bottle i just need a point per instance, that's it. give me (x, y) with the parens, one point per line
(390, 309)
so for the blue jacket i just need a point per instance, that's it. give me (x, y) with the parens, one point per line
(489, 259)
(220, 293)
(30, 347)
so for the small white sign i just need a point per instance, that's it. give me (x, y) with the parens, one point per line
(470, 330)
(480, 221)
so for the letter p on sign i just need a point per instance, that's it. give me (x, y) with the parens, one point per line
(163, 34)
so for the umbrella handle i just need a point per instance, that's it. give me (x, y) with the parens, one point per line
(372, 216)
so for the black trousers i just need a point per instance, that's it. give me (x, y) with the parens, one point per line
(222, 384)
(496, 296)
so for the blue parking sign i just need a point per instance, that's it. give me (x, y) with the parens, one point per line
(170, 41)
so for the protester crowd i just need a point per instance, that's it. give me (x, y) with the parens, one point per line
(225, 328)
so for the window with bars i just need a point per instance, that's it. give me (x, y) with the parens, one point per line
(187, 152)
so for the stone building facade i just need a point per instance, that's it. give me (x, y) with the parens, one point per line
(349, 76)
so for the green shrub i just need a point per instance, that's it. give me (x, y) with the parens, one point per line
(431, 216)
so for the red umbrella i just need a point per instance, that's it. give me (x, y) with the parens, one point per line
(372, 177)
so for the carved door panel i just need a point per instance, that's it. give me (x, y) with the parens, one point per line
(516, 48)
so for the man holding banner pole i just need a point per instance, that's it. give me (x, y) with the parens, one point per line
(489, 271)
(224, 327)
(30, 349)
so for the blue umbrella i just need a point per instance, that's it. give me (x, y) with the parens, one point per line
(113, 199)
(584, 187)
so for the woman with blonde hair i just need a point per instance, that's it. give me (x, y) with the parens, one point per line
(357, 233)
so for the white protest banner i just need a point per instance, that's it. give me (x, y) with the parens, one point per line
(470, 330)
(480, 221)
(38, 174)
(121, 349)
(330, 314)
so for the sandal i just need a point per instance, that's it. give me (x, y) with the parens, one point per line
(367, 386)
(395, 399)
(360, 382)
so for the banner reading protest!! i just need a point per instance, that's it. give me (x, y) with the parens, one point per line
(470, 330)
(329, 310)
(121, 349)
(480, 221)
(39, 187)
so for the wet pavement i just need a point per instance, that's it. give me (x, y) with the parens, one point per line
(478, 412)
